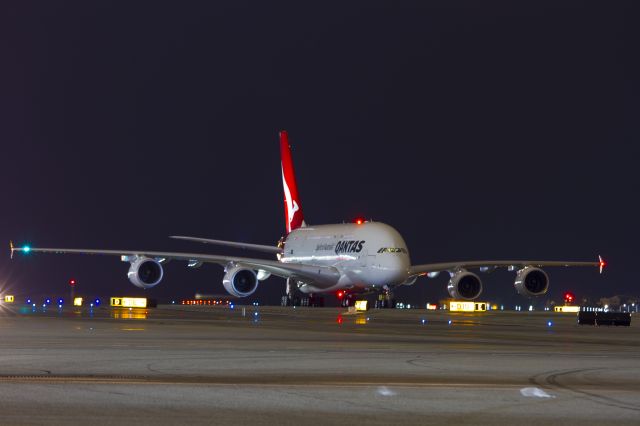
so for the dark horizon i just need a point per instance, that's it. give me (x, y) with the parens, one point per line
(480, 131)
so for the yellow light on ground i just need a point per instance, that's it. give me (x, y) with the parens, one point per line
(361, 305)
(9, 299)
(77, 301)
(567, 309)
(129, 302)
(460, 306)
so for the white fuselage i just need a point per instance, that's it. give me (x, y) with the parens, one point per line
(368, 256)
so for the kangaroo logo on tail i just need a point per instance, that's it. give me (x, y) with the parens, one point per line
(292, 206)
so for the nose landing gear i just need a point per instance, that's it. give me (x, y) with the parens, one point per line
(385, 299)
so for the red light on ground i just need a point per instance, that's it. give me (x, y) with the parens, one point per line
(72, 282)
(359, 221)
(339, 319)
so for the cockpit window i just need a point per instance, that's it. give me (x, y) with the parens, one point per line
(392, 250)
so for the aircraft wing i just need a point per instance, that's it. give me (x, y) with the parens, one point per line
(247, 246)
(488, 265)
(321, 276)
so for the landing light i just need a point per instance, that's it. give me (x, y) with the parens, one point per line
(26, 249)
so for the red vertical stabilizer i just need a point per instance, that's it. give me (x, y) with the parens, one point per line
(292, 206)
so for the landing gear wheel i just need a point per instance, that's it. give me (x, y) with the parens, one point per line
(385, 300)
(292, 296)
(348, 300)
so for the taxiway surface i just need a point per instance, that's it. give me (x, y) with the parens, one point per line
(271, 365)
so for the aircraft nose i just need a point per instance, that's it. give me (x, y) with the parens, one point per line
(394, 267)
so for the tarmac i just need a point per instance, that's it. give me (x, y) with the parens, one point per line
(271, 365)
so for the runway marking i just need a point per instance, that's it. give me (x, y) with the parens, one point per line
(385, 391)
(535, 392)
(382, 386)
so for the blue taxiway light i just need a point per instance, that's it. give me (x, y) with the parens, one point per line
(96, 302)
(549, 323)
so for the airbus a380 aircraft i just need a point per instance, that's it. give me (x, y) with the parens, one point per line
(357, 257)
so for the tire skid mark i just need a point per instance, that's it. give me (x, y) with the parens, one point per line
(553, 380)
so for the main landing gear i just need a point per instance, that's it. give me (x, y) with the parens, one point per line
(294, 297)
(300, 300)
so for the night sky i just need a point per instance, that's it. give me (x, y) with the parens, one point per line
(479, 130)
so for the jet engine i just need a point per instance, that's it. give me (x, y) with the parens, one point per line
(531, 282)
(240, 282)
(464, 285)
(144, 272)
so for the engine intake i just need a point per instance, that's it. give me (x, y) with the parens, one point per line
(240, 282)
(464, 285)
(531, 282)
(145, 273)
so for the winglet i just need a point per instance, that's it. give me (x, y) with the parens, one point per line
(602, 263)
(11, 247)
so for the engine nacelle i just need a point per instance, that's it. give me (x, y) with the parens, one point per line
(240, 282)
(145, 273)
(531, 281)
(464, 285)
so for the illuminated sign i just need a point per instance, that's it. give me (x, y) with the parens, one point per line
(457, 306)
(361, 305)
(129, 302)
(567, 309)
(77, 301)
(431, 307)
(9, 299)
